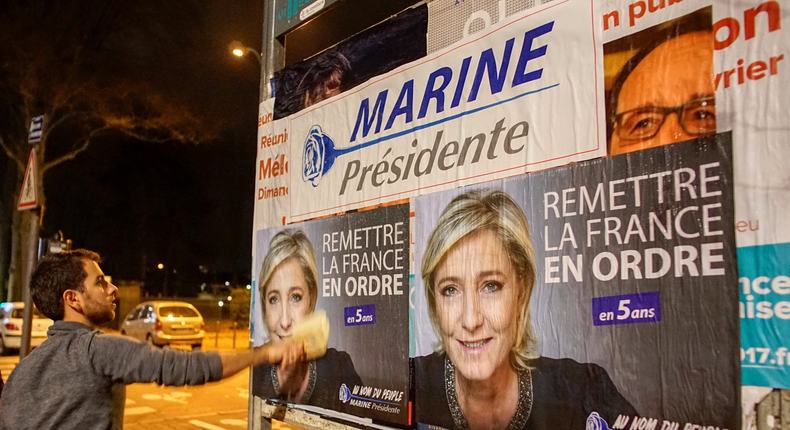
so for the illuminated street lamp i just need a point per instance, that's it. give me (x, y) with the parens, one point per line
(160, 266)
(239, 49)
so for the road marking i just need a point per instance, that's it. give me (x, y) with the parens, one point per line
(172, 397)
(130, 402)
(207, 426)
(7, 365)
(234, 422)
(178, 397)
(211, 414)
(139, 410)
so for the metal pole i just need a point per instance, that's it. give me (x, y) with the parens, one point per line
(272, 59)
(272, 52)
(234, 334)
(216, 338)
(27, 312)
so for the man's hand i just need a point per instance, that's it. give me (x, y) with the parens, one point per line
(286, 353)
(292, 373)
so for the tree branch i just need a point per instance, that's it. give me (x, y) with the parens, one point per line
(69, 156)
(62, 119)
(11, 155)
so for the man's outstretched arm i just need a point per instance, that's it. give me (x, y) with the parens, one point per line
(286, 353)
(130, 361)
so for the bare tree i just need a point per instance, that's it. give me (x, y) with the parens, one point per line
(61, 60)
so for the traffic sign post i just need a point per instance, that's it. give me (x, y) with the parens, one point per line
(28, 199)
(36, 129)
(28, 196)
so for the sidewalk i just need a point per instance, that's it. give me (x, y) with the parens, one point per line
(211, 342)
(225, 342)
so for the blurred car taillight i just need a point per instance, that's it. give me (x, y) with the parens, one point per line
(11, 326)
(201, 325)
(158, 325)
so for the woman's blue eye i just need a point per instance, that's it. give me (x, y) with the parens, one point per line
(296, 298)
(491, 287)
(449, 291)
(273, 300)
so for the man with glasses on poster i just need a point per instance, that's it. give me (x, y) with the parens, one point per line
(664, 94)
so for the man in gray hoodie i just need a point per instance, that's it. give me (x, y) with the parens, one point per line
(77, 378)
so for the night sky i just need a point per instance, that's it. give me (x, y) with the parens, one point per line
(183, 205)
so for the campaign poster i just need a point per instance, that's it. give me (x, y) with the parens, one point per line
(473, 112)
(272, 181)
(355, 267)
(596, 295)
(764, 286)
(633, 76)
(721, 66)
(396, 41)
(364, 287)
(735, 52)
(451, 21)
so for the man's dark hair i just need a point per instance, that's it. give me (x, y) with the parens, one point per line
(308, 82)
(698, 21)
(56, 273)
(327, 72)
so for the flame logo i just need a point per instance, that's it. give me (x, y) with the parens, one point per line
(319, 154)
(345, 394)
(314, 155)
(596, 422)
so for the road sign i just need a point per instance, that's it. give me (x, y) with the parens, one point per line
(28, 196)
(36, 129)
(290, 13)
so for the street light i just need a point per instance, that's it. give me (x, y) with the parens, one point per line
(239, 49)
(160, 266)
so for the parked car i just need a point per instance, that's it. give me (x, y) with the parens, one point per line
(11, 329)
(163, 323)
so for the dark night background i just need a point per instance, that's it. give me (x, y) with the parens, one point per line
(184, 205)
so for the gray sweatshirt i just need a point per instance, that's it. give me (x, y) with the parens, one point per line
(77, 378)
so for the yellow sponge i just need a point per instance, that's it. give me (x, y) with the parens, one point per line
(313, 331)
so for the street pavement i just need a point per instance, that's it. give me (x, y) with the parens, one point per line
(216, 406)
(7, 364)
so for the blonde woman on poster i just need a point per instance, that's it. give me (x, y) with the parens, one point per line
(289, 289)
(479, 271)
